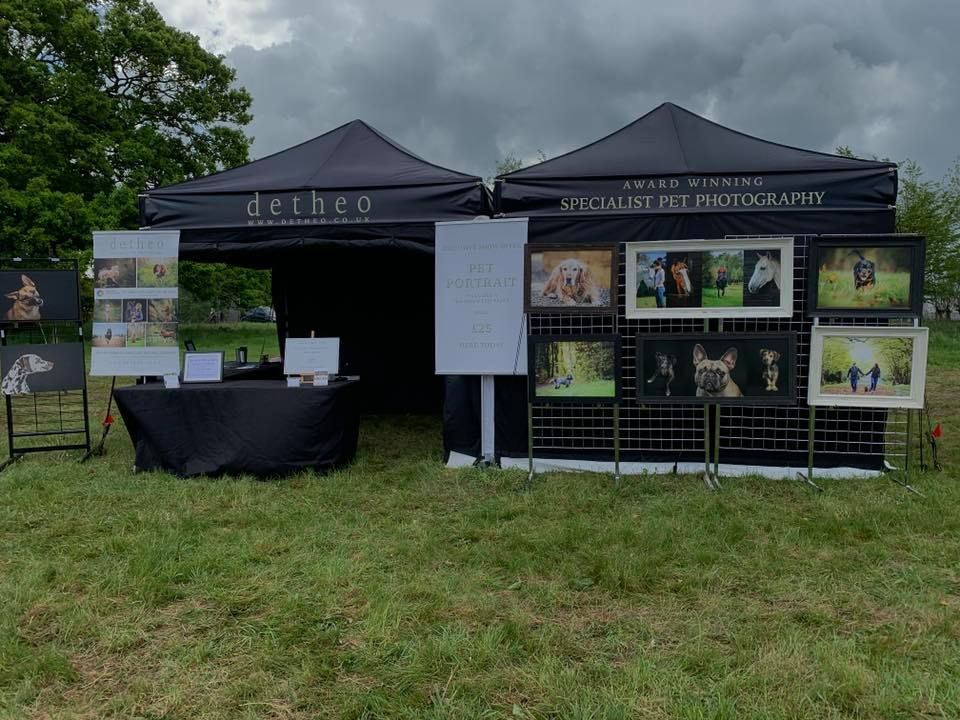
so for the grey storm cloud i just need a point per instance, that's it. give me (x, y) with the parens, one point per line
(465, 83)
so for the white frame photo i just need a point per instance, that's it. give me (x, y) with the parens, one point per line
(783, 244)
(918, 368)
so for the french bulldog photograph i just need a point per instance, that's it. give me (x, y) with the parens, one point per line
(716, 368)
(713, 376)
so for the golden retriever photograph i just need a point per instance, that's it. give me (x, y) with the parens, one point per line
(576, 278)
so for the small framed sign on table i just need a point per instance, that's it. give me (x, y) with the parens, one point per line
(203, 367)
(307, 356)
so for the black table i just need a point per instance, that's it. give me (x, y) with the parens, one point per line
(261, 427)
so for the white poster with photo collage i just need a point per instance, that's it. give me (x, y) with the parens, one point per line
(135, 303)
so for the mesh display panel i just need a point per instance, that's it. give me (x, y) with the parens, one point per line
(773, 436)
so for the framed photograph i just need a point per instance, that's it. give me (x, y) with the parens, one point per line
(570, 278)
(34, 368)
(574, 369)
(38, 295)
(709, 278)
(872, 275)
(203, 367)
(717, 368)
(869, 367)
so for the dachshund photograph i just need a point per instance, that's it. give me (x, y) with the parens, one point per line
(26, 302)
(570, 279)
(157, 271)
(770, 371)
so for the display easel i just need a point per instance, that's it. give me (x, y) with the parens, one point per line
(53, 413)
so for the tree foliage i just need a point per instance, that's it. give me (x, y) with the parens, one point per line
(99, 100)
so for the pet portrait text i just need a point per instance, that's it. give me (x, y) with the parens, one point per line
(749, 369)
(572, 279)
(576, 369)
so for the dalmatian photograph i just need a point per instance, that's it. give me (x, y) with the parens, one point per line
(34, 368)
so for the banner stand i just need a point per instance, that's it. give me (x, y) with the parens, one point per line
(487, 426)
(98, 449)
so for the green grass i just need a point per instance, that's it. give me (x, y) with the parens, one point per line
(732, 297)
(836, 290)
(885, 389)
(398, 589)
(594, 388)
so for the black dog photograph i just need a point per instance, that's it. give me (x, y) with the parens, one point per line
(38, 295)
(745, 369)
(26, 369)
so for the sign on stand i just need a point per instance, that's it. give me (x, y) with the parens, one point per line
(136, 310)
(479, 306)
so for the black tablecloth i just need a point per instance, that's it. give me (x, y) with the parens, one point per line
(241, 426)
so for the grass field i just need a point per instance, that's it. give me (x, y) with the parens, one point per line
(901, 390)
(836, 290)
(594, 388)
(733, 297)
(398, 589)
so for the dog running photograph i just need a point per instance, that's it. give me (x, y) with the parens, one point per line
(573, 279)
(733, 368)
(578, 370)
(38, 295)
(157, 271)
(865, 277)
(32, 368)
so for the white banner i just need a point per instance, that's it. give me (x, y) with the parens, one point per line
(479, 298)
(136, 312)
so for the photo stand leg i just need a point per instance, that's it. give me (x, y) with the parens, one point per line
(529, 483)
(811, 427)
(10, 461)
(716, 448)
(707, 479)
(98, 449)
(906, 461)
(616, 445)
(487, 457)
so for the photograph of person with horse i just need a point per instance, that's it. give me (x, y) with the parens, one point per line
(750, 277)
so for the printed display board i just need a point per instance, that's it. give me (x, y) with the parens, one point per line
(135, 303)
(479, 298)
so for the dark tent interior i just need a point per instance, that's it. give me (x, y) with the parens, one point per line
(345, 222)
(672, 174)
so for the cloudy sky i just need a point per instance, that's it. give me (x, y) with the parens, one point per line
(465, 82)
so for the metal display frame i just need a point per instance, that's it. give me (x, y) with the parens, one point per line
(680, 433)
(60, 415)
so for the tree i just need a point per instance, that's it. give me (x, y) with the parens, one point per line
(932, 208)
(510, 163)
(100, 99)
